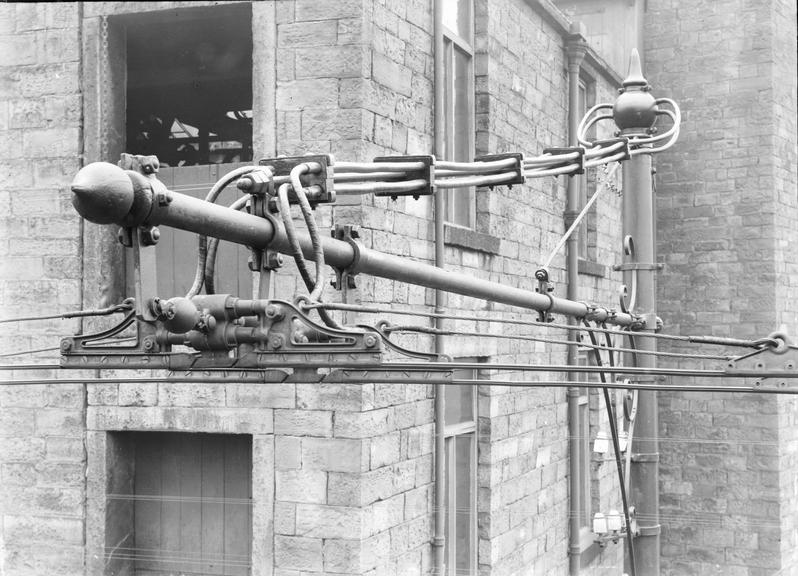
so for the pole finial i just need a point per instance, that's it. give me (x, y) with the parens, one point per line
(635, 76)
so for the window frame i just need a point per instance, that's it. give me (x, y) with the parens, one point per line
(452, 43)
(452, 432)
(585, 432)
(588, 232)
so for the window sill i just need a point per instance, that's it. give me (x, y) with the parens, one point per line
(471, 239)
(592, 268)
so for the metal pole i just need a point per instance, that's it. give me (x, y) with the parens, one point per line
(645, 447)
(439, 497)
(103, 193)
(575, 51)
(634, 113)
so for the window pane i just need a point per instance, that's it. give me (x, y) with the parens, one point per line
(459, 401)
(460, 202)
(457, 17)
(465, 507)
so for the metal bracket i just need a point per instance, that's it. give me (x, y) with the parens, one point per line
(426, 173)
(318, 183)
(345, 277)
(773, 367)
(545, 288)
(518, 167)
(238, 334)
(645, 458)
(638, 266)
(580, 159)
(643, 531)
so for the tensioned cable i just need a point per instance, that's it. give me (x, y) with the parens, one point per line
(710, 340)
(437, 331)
(125, 306)
(24, 352)
(575, 224)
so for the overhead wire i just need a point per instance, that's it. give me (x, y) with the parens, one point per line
(711, 340)
(124, 306)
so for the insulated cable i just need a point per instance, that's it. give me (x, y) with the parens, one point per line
(615, 445)
(202, 248)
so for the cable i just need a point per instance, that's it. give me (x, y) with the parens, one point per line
(23, 352)
(616, 446)
(296, 251)
(202, 248)
(575, 224)
(124, 306)
(430, 330)
(212, 247)
(712, 340)
(315, 238)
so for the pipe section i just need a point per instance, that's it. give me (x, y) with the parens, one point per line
(575, 51)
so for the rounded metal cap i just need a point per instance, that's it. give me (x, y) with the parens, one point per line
(635, 108)
(102, 193)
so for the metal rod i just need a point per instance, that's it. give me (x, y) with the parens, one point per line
(97, 199)
(575, 52)
(420, 379)
(439, 207)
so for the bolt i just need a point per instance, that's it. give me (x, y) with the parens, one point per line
(66, 345)
(150, 236)
(277, 342)
(148, 344)
(273, 260)
(273, 312)
(370, 341)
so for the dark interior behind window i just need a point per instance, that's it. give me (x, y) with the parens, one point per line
(189, 85)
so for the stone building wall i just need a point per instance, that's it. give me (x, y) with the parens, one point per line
(726, 204)
(42, 455)
(352, 465)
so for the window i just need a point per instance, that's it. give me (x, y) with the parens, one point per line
(588, 231)
(461, 475)
(178, 503)
(189, 85)
(583, 433)
(188, 101)
(458, 34)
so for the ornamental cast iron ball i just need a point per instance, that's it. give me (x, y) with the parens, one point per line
(635, 109)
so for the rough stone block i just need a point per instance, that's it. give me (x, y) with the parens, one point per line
(306, 486)
(303, 422)
(295, 552)
(307, 93)
(318, 521)
(334, 454)
(342, 556)
(349, 61)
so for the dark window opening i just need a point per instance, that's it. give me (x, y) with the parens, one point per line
(178, 503)
(189, 85)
